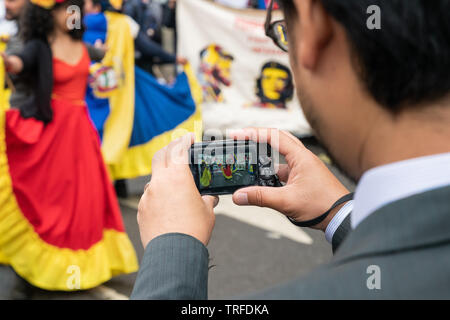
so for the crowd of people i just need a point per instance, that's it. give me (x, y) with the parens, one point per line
(57, 195)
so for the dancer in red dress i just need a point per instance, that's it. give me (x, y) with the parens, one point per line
(60, 223)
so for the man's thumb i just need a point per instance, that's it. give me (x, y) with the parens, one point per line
(259, 196)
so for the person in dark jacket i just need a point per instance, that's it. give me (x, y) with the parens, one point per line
(149, 51)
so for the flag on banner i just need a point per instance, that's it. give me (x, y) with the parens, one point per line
(245, 78)
(159, 113)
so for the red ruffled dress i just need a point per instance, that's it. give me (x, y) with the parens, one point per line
(60, 223)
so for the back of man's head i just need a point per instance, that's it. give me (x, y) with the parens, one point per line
(373, 76)
(405, 59)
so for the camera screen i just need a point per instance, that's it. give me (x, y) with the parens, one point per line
(226, 170)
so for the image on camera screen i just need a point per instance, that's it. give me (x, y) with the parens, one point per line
(224, 170)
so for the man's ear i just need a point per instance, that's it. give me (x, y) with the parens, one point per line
(314, 33)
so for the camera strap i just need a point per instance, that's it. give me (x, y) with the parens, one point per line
(316, 221)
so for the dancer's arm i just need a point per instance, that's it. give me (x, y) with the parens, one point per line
(13, 64)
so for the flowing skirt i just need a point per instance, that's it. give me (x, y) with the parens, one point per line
(60, 223)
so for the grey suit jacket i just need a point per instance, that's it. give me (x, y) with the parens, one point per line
(401, 251)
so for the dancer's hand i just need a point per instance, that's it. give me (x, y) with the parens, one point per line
(13, 64)
(171, 202)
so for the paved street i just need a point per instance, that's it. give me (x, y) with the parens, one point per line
(251, 249)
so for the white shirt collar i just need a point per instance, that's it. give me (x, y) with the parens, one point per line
(389, 183)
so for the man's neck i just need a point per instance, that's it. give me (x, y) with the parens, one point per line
(410, 134)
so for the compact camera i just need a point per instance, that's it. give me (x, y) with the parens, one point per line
(222, 167)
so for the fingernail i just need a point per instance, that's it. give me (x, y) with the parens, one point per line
(241, 199)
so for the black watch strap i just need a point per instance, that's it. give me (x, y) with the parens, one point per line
(319, 219)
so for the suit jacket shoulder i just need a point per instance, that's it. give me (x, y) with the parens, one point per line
(399, 252)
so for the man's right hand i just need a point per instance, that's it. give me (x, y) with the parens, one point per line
(310, 190)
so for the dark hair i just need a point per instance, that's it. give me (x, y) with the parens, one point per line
(38, 23)
(407, 61)
(288, 90)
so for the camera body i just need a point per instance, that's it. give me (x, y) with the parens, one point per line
(222, 167)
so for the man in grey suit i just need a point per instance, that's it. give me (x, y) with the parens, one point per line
(372, 78)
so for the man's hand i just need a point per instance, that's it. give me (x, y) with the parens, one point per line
(171, 202)
(310, 190)
(13, 64)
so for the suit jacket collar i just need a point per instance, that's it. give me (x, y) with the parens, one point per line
(398, 180)
(414, 222)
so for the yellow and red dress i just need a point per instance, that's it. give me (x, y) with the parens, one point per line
(59, 216)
